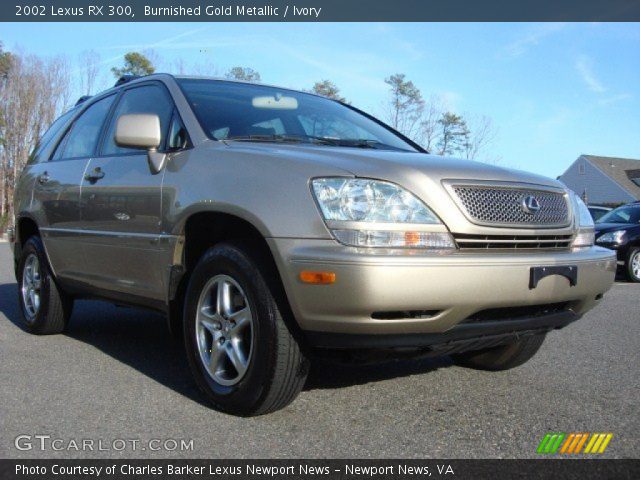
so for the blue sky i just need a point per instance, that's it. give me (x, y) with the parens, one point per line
(554, 91)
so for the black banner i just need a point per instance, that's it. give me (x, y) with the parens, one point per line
(318, 10)
(314, 469)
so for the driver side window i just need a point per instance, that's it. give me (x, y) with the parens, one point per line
(146, 99)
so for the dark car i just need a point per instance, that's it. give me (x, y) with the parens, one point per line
(597, 211)
(620, 230)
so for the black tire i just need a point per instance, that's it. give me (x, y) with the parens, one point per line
(632, 255)
(277, 368)
(52, 315)
(503, 357)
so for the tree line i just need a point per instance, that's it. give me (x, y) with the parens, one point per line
(34, 91)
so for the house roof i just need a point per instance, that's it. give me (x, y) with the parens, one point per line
(621, 170)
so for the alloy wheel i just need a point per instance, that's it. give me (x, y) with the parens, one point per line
(635, 264)
(31, 285)
(224, 330)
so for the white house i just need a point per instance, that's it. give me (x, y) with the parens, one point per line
(604, 180)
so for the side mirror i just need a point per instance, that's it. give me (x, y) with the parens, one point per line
(142, 130)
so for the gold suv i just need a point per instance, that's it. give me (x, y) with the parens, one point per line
(268, 223)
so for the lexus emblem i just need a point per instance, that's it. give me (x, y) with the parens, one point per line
(530, 204)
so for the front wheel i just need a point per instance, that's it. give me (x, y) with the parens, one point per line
(633, 265)
(503, 357)
(240, 350)
(45, 308)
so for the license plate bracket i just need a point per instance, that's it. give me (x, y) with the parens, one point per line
(570, 272)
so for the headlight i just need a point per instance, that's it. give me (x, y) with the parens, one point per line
(612, 237)
(387, 215)
(586, 228)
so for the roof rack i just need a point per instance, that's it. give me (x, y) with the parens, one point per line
(82, 99)
(126, 79)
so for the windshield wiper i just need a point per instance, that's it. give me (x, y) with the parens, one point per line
(368, 143)
(294, 138)
(301, 138)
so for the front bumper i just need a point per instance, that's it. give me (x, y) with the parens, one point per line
(398, 293)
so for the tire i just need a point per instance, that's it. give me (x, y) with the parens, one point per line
(45, 307)
(275, 368)
(632, 265)
(503, 357)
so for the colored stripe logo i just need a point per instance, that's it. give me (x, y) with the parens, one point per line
(574, 443)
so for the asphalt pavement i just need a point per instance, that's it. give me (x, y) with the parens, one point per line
(117, 377)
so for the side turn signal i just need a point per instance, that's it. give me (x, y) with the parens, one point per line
(317, 278)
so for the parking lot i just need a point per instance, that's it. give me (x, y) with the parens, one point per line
(117, 374)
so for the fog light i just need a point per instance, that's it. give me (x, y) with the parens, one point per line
(395, 239)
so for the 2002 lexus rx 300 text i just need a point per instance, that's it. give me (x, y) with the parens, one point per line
(268, 223)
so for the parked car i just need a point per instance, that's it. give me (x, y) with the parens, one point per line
(268, 223)
(598, 211)
(619, 230)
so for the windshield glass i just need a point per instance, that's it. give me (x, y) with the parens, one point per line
(245, 112)
(622, 215)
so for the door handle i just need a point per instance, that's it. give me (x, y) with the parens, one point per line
(43, 178)
(94, 175)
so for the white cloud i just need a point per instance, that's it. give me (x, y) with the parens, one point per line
(605, 102)
(532, 38)
(584, 66)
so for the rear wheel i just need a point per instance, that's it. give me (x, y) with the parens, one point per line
(241, 353)
(45, 308)
(633, 265)
(502, 357)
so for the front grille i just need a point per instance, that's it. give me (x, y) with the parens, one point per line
(404, 314)
(516, 313)
(497, 205)
(510, 242)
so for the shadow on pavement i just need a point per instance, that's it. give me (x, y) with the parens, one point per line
(137, 338)
(9, 303)
(140, 339)
(328, 374)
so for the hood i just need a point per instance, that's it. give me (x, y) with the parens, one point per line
(420, 173)
(612, 227)
(391, 165)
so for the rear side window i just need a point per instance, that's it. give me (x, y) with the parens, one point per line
(82, 139)
(53, 131)
(147, 99)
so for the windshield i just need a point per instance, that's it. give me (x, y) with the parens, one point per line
(244, 112)
(622, 215)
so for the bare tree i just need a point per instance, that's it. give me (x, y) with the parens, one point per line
(481, 135)
(429, 125)
(179, 67)
(454, 134)
(205, 69)
(406, 106)
(90, 62)
(6, 64)
(35, 92)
